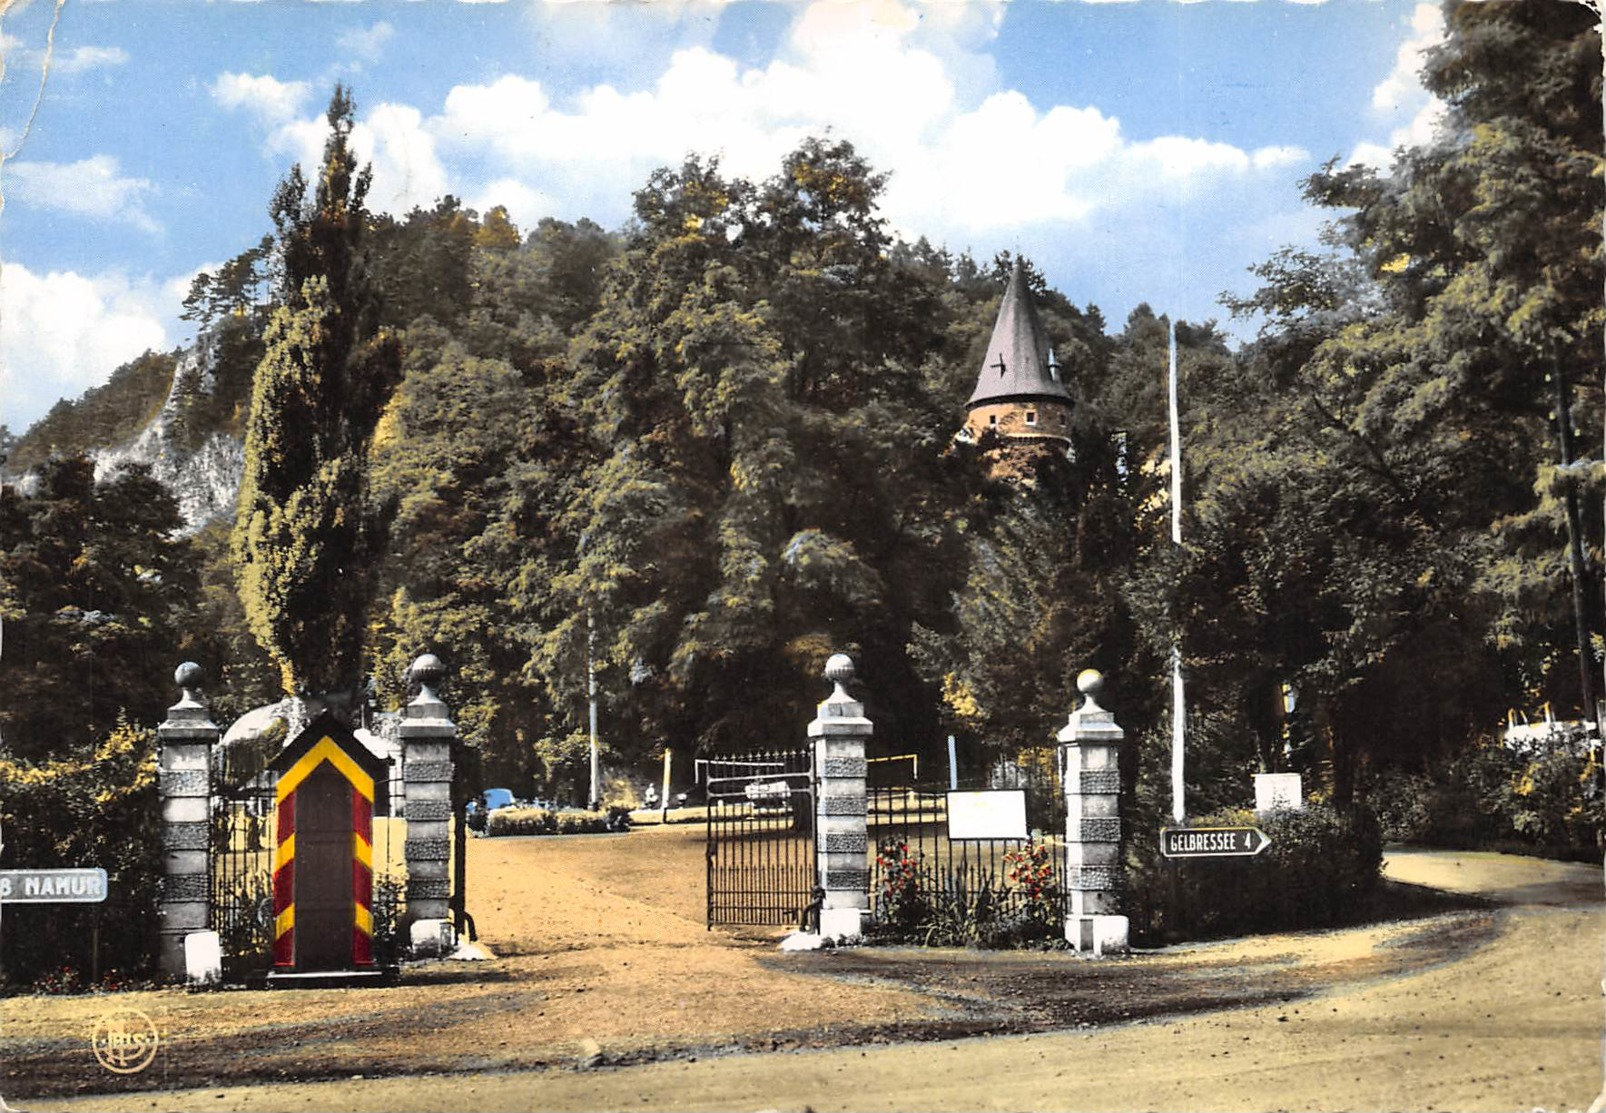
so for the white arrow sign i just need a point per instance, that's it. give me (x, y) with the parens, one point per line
(52, 886)
(1212, 842)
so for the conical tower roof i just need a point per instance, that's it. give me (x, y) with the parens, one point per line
(1019, 364)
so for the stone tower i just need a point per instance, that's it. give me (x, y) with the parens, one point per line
(1019, 395)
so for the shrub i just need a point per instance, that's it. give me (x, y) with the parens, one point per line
(1556, 801)
(548, 821)
(966, 907)
(1030, 873)
(1320, 870)
(964, 912)
(902, 904)
(97, 810)
(1491, 797)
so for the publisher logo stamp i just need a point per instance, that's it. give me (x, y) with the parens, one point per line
(125, 1041)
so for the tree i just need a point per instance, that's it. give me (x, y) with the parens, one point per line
(93, 589)
(306, 538)
(1374, 541)
(768, 452)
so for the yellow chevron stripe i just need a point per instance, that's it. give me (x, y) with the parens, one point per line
(361, 851)
(325, 750)
(285, 921)
(365, 920)
(284, 853)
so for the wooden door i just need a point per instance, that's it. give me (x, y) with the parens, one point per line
(325, 908)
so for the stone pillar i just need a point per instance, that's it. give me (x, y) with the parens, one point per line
(842, 862)
(184, 778)
(427, 737)
(1090, 749)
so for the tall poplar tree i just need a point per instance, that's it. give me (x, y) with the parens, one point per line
(306, 538)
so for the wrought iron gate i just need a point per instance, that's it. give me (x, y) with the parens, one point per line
(761, 860)
(242, 860)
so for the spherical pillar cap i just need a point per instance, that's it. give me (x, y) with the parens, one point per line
(427, 671)
(839, 668)
(188, 675)
(1090, 682)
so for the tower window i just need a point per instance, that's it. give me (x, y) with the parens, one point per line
(992, 419)
(1031, 417)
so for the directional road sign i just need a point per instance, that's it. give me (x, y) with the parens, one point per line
(51, 886)
(1212, 842)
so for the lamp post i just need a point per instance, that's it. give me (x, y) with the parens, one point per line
(594, 797)
(591, 693)
(1178, 700)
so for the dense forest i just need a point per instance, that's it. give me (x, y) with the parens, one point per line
(701, 452)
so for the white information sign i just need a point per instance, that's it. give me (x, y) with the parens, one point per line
(1279, 790)
(998, 814)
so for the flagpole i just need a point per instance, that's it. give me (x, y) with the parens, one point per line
(1178, 702)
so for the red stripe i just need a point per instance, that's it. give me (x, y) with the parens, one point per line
(284, 882)
(362, 816)
(284, 951)
(286, 814)
(362, 884)
(362, 878)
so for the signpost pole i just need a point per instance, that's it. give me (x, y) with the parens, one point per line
(663, 817)
(1179, 711)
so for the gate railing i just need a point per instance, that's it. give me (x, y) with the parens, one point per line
(242, 861)
(760, 836)
(916, 869)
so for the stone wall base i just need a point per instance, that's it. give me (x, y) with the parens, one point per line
(431, 939)
(841, 924)
(1097, 935)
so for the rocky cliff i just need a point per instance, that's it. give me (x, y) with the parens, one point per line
(201, 467)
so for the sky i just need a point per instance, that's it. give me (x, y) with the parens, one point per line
(1138, 151)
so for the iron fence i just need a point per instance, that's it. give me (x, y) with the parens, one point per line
(241, 880)
(918, 873)
(760, 836)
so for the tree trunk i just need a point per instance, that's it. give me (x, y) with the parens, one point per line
(1575, 540)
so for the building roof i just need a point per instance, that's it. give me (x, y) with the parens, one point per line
(1020, 364)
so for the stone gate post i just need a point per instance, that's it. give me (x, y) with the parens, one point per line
(427, 736)
(184, 784)
(839, 731)
(1090, 747)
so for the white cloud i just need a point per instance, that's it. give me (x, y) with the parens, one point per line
(62, 333)
(366, 46)
(525, 206)
(879, 73)
(1399, 102)
(391, 138)
(271, 101)
(1402, 88)
(407, 173)
(83, 58)
(913, 86)
(92, 188)
(80, 59)
(621, 37)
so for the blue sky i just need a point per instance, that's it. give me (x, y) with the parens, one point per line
(1140, 151)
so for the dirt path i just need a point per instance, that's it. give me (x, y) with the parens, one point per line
(603, 960)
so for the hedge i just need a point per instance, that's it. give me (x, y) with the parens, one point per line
(1321, 870)
(547, 821)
